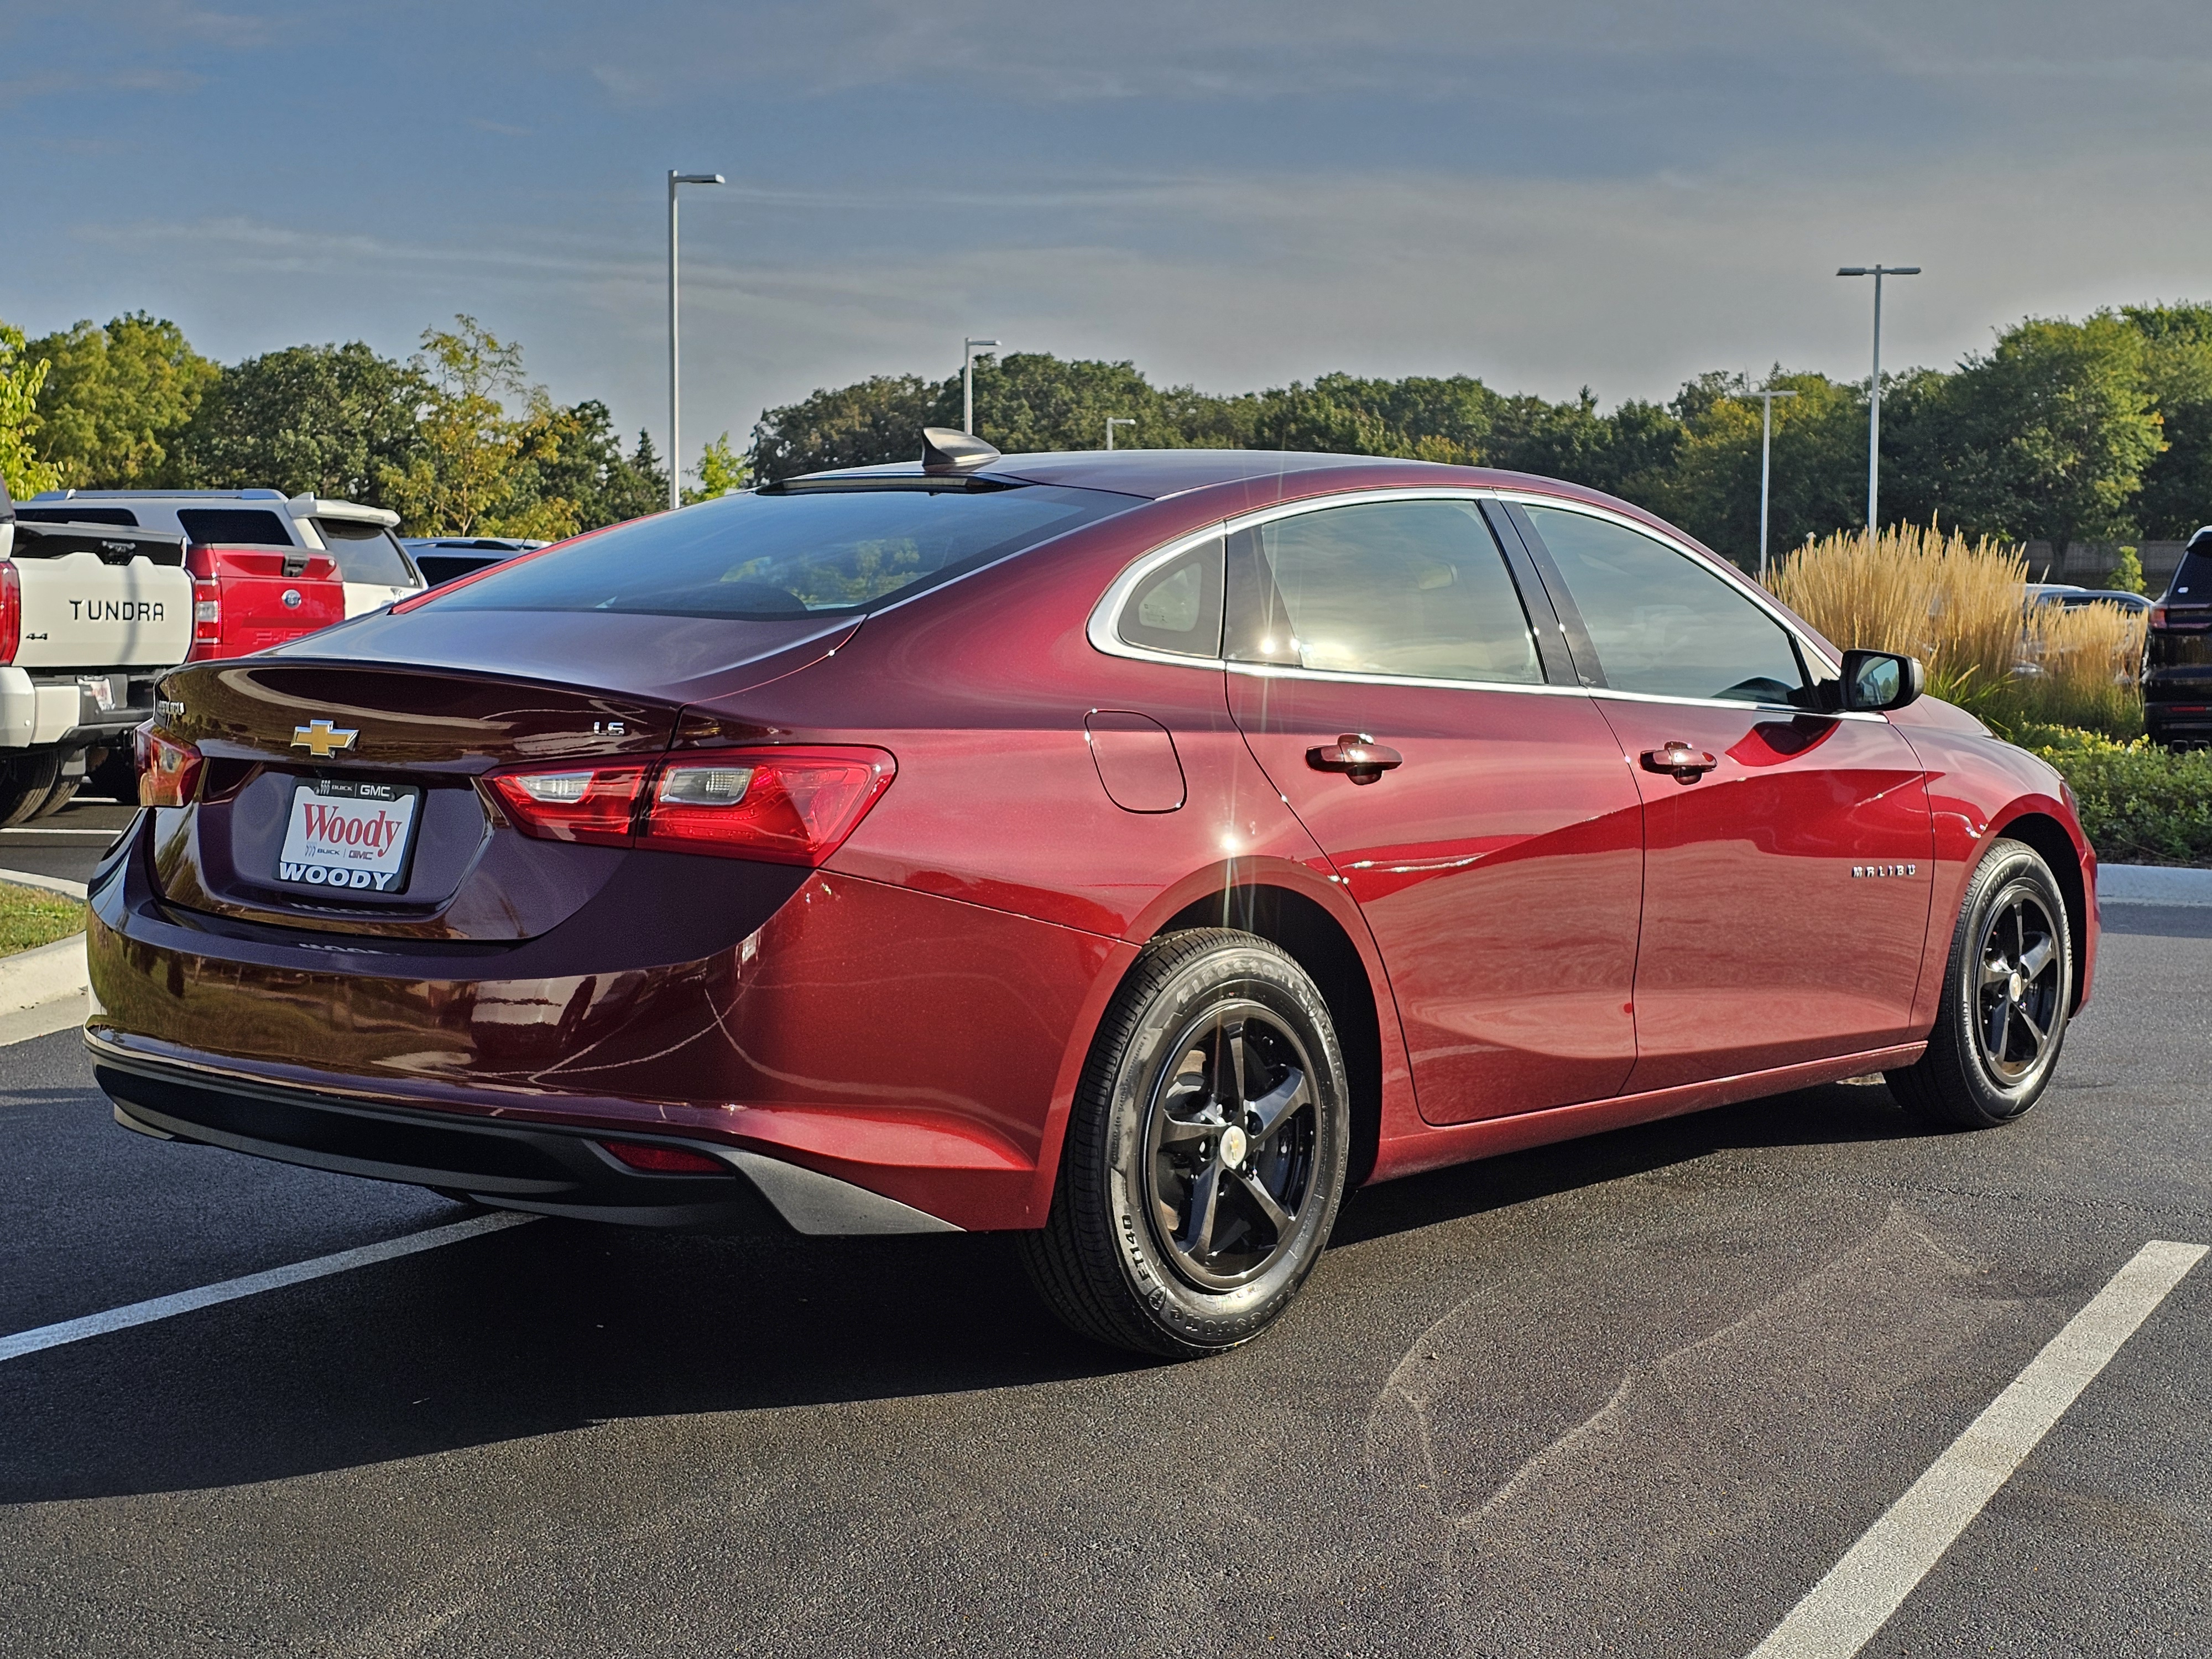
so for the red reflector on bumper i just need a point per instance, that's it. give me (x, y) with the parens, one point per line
(665, 1160)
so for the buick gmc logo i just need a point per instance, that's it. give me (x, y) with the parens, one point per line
(129, 610)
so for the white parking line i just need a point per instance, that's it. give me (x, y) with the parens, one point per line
(1871, 1582)
(166, 1307)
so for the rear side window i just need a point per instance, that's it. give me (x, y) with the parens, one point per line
(813, 550)
(365, 552)
(234, 526)
(1178, 607)
(2192, 581)
(115, 515)
(1661, 622)
(1413, 588)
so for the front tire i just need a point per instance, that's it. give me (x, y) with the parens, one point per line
(2008, 989)
(1206, 1151)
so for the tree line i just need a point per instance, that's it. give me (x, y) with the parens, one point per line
(456, 439)
(2064, 431)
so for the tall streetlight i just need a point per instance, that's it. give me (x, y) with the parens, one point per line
(968, 384)
(1112, 421)
(1765, 463)
(1873, 407)
(675, 422)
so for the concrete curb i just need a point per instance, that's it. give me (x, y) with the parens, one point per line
(46, 975)
(52, 884)
(2153, 884)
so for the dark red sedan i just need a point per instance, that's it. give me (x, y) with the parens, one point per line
(1132, 851)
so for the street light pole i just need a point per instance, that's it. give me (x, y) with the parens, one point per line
(1766, 464)
(968, 384)
(1112, 421)
(1874, 402)
(675, 399)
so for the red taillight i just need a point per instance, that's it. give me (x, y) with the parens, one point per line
(785, 805)
(593, 804)
(782, 805)
(11, 611)
(2158, 616)
(168, 771)
(665, 1160)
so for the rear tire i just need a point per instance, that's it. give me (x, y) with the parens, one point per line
(2008, 989)
(1206, 1152)
(26, 781)
(59, 796)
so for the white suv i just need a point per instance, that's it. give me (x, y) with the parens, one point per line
(374, 568)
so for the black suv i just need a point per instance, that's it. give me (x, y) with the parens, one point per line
(2177, 679)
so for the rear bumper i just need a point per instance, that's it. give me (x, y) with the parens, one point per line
(42, 710)
(517, 1166)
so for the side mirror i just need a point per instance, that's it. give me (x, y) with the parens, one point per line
(1876, 680)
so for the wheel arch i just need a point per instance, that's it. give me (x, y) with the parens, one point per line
(2049, 837)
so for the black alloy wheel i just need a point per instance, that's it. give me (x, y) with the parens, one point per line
(1229, 1145)
(2020, 995)
(2008, 993)
(1204, 1155)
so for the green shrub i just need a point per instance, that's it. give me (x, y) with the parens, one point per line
(2139, 804)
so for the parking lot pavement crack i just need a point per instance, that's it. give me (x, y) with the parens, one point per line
(1704, 1462)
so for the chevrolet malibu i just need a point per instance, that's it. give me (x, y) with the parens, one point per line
(1131, 852)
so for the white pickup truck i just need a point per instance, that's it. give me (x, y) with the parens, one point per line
(91, 616)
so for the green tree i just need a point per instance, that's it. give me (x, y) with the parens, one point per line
(876, 420)
(2049, 432)
(2177, 486)
(328, 419)
(721, 471)
(474, 469)
(21, 469)
(1818, 472)
(587, 466)
(117, 399)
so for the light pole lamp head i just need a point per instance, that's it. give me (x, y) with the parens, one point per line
(676, 177)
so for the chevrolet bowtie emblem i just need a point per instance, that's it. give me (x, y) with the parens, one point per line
(322, 740)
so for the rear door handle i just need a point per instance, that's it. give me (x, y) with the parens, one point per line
(1356, 755)
(1687, 765)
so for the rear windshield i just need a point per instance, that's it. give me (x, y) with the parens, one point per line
(122, 516)
(809, 551)
(234, 526)
(365, 552)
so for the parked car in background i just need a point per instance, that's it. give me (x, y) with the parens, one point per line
(233, 531)
(2177, 677)
(442, 559)
(1135, 852)
(91, 616)
(2073, 599)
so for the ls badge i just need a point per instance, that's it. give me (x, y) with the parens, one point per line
(322, 740)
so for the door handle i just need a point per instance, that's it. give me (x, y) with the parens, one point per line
(1356, 755)
(1687, 765)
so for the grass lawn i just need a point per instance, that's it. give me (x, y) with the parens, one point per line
(31, 917)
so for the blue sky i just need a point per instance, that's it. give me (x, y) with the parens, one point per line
(1229, 194)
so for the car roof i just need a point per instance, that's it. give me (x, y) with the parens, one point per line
(1158, 473)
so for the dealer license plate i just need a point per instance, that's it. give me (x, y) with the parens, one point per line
(348, 834)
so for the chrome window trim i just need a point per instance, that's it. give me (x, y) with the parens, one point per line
(1100, 629)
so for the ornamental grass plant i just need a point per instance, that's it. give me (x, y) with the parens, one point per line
(1961, 607)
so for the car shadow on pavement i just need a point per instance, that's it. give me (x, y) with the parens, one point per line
(557, 1325)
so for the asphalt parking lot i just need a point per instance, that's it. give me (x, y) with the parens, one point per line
(1632, 1396)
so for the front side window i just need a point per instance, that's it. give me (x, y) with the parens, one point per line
(787, 554)
(1413, 588)
(1661, 622)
